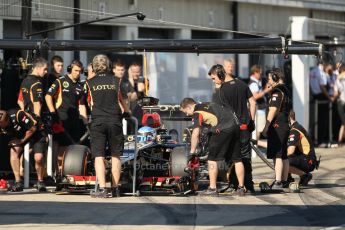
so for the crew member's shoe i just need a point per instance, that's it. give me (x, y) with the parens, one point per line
(209, 192)
(285, 184)
(304, 179)
(250, 191)
(277, 185)
(17, 187)
(41, 187)
(240, 191)
(115, 192)
(100, 193)
(229, 189)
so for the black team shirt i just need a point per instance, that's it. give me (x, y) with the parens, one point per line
(299, 137)
(20, 122)
(103, 93)
(281, 99)
(32, 91)
(67, 97)
(234, 93)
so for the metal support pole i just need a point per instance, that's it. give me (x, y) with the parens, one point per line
(330, 119)
(26, 17)
(76, 20)
(135, 155)
(26, 165)
(50, 156)
(316, 121)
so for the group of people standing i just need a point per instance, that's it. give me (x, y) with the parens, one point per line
(65, 106)
(327, 102)
(107, 97)
(287, 141)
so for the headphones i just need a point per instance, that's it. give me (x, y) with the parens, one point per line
(220, 72)
(75, 63)
(275, 75)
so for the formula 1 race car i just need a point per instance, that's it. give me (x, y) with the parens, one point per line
(153, 163)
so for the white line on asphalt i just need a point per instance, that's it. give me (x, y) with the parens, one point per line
(335, 227)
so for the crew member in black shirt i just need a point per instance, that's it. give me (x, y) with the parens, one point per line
(134, 86)
(24, 128)
(32, 100)
(32, 87)
(301, 152)
(104, 97)
(56, 72)
(65, 105)
(118, 69)
(277, 127)
(235, 93)
(221, 143)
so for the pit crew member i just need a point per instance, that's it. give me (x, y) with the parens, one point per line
(235, 93)
(104, 97)
(277, 127)
(24, 128)
(221, 144)
(65, 106)
(301, 152)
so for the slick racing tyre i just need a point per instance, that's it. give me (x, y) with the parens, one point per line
(75, 160)
(178, 161)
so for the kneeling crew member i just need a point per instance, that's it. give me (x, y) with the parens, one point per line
(24, 128)
(301, 152)
(223, 142)
(104, 97)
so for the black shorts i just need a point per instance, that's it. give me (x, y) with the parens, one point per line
(39, 142)
(246, 149)
(103, 133)
(225, 146)
(72, 132)
(277, 137)
(302, 162)
(341, 111)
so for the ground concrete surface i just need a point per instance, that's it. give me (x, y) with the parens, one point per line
(321, 206)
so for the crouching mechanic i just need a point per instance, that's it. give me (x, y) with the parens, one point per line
(301, 152)
(104, 97)
(223, 143)
(24, 128)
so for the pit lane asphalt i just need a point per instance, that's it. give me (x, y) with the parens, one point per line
(319, 206)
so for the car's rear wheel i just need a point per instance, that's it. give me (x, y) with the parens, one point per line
(75, 160)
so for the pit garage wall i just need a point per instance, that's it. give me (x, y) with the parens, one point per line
(274, 19)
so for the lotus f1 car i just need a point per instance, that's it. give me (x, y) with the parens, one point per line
(153, 163)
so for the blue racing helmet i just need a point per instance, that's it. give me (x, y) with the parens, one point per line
(146, 133)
